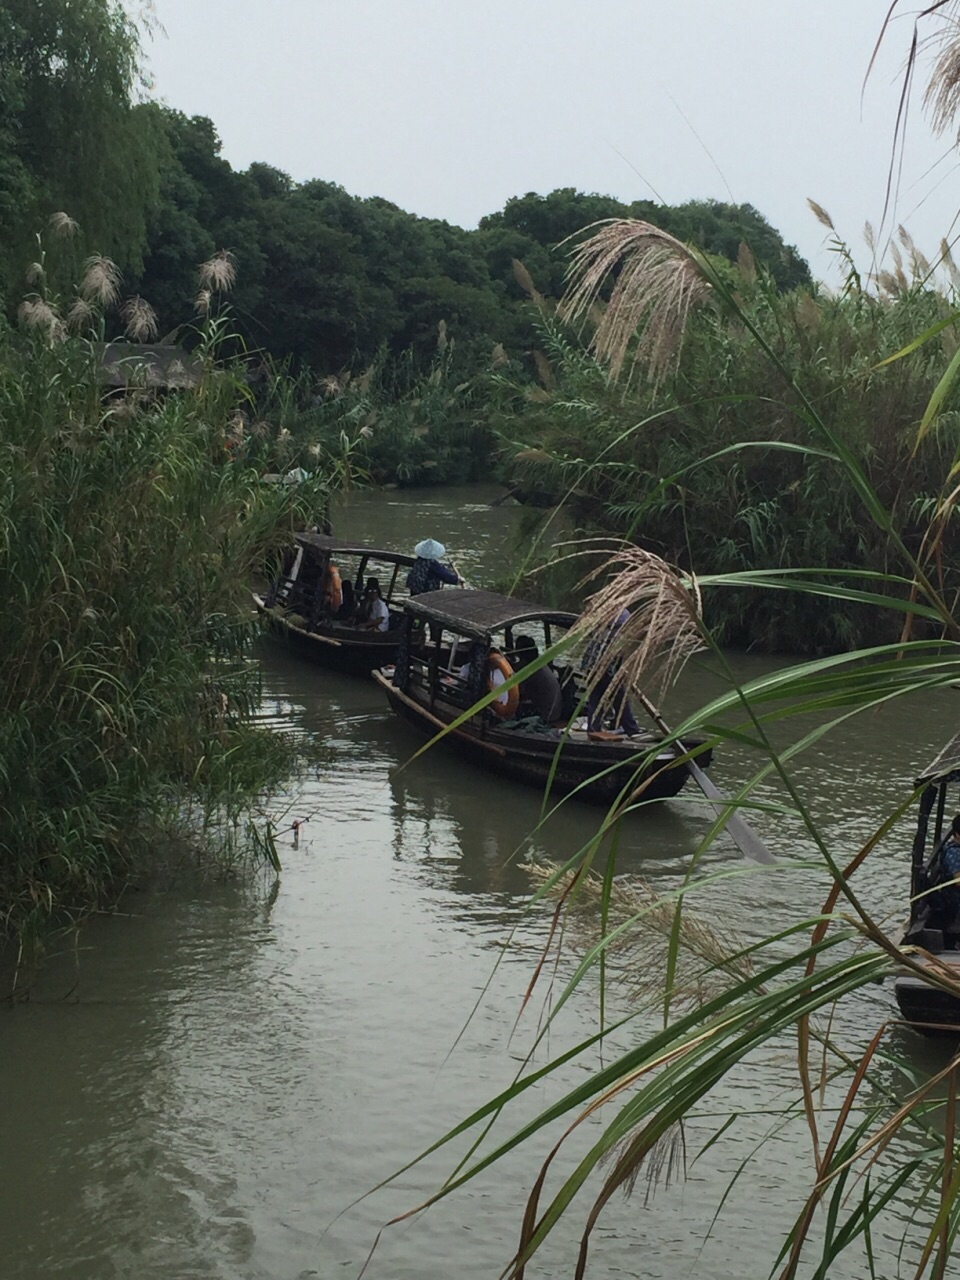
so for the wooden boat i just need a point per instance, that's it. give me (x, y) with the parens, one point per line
(450, 642)
(298, 608)
(926, 1004)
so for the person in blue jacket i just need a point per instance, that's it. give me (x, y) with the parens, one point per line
(428, 574)
(946, 901)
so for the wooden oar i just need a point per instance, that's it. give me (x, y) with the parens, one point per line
(453, 566)
(744, 836)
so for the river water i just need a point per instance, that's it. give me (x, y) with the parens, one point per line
(212, 1081)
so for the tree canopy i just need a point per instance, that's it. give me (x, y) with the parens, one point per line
(325, 279)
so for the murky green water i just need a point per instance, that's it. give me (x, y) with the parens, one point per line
(208, 1085)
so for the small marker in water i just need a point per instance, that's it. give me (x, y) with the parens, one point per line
(297, 824)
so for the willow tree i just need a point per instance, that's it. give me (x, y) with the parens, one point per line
(71, 134)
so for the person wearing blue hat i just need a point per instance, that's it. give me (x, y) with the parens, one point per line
(428, 574)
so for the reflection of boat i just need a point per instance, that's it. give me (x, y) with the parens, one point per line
(452, 644)
(926, 1004)
(307, 596)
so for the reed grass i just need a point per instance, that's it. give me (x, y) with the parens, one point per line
(129, 528)
(718, 466)
(824, 429)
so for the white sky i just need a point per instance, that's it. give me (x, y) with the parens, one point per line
(448, 108)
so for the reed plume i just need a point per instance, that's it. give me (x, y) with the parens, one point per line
(62, 225)
(80, 315)
(746, 263)
(706, 959)
(35, 313)
(101, 281)
(946, 257)
(140, 319)
(657, 281)
(820, 213)
(219, 273)
(662, 630)
(525, 280)
(942, 96)
(34, 273)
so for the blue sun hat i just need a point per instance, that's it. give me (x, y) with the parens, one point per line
(430, 549)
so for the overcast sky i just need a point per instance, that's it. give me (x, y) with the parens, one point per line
(448, 108)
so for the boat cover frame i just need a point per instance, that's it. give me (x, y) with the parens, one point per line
(479, 613)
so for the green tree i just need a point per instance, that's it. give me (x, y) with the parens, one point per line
(69, 139)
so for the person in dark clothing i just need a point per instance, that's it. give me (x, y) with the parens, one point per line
(623, 717)
(428, 574)
(946, 901)
(349, 606)
(540, 692)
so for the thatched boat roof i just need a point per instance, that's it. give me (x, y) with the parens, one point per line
(477, 613)
(324, 544)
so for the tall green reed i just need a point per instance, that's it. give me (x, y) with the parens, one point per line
(131, 521)
(669, 464)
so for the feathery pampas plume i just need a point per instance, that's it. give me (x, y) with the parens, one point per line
(657, 281)
(34, 273)
(942, 96)
(746, 263)
(101, 281)
(820, 213)
(139, 318)
(61, 224)
(35, 313)
(662, 630)
(946, 257)
(219, 273)
(706, 961)
(525, 280)
(80, 315)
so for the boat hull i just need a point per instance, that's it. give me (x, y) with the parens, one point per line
(927, 1007)
(593, 771)
(351, 655)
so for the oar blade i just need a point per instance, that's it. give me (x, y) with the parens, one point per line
(746, 839)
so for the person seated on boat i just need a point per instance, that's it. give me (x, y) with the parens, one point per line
(428, 574)
(373, 614)
(540, 693)
(624, 721)
(349, 607)
(332, 590)
(495, 677)
(946, 901)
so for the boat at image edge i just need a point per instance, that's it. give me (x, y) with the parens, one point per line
(926, 1005)
(443, 631)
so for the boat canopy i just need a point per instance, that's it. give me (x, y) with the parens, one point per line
(945, 768)
(325, 545)
(478, 613)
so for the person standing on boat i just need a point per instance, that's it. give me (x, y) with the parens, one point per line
(623, 717)
(428, 574)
